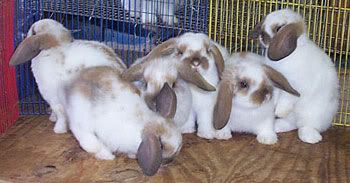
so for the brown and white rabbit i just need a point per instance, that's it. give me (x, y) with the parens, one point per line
(159, 67)
(107, 114)
(247, 94)
(57, 58)
(307, 67)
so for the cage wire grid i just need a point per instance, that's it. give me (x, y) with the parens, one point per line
(226, 21)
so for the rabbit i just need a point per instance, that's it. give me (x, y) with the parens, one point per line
(307, 67)
(148, 10)
(199, 62)
(160, 67)
(206, 57)
(56, 58)
(247, 94)
(107, 114)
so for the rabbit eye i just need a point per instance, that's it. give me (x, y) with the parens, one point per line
(179, 52)
(243, 84)
(279, 28)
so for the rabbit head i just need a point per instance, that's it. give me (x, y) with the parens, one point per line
(279, 32)
(42, 35)
(197, 52)
(160, 145)
(248, 84)
(161, 67)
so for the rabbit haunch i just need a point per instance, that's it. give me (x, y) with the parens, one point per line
(56, 59)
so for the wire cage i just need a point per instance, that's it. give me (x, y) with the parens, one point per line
(117, 23)
(8, 92)
(133, 28)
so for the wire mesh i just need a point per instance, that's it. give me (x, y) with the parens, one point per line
(8, 97)
(110, 21)
(327, 24)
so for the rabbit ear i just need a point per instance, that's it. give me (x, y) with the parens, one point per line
(166, 102)
(279, 80)
(149, 154)
(257, 30)
(135, 72)
(194, 77)
(219, 60)
(31, 47)
(285, 41)
(166, 48)
(223, 106)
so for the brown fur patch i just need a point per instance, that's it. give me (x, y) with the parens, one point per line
(93, 81)
(261, 94)
(183, 48)
(165, 48)
(285, 41)
(154, 128)
(196, 59)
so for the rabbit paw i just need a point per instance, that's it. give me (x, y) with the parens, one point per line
(60, 127)
(267, 138)
(206, 134)
(309, 135)
(104, 154)
(188, 130)
(223, 134)
(53, 117)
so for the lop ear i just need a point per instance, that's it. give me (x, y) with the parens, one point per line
(256, 31)
(149, 154)
(166, 48)
(223, 106)
(135, 72)
(219, 60)
(279, 80)
(193, 76)
(31, 47)
(166, 102)
(285, 41)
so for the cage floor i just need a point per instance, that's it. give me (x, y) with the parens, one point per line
(32, 152)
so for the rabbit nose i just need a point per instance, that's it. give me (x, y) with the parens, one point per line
(195, 62)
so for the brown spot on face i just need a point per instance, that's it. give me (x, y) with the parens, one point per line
(263, 93)
(182, 48)
(168, 150)
(197, 60)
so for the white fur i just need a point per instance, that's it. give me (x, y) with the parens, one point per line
(148, 10)
(114, 120)
(247, 116)
(203, 101)
(311, 72)
(53, 67)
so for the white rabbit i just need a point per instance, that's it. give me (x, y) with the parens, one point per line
(307, 68)
(56, 58)
(148, 10)
(107, 114)
(246, 96)
(206, 57)
(161, 67)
